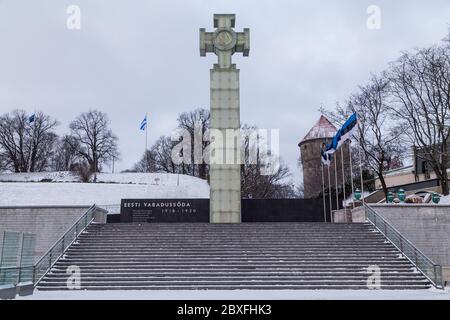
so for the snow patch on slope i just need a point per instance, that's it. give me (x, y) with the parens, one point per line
(111, 189)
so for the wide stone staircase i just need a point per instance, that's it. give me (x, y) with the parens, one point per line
(233, 256)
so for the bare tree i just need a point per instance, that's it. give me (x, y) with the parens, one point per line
(45, 151)
(3, 165)
(196, 122)
(147, 163)
(65, 156)
(42, 141)
(162, 151)
(380, 137)
(83, 170)
(92, 139)
(13, 139)
(25, 146)
(299, 191)
(255, 182)
(421, 99)
(274, 186)
(159, 157)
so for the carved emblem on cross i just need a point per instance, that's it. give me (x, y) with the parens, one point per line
(224, 42)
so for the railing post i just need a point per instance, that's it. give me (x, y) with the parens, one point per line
(50, 260)
(435, 275)
(20, 275)
(439, 280)
(63, 244)
(33, 279)
(401, 244)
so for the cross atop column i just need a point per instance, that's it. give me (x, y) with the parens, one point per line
(224, 42)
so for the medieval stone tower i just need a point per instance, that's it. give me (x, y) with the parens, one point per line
(322, 132)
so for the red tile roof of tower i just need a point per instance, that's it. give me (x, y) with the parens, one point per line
(322, 129)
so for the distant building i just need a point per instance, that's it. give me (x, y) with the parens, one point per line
(310, 146)
(397, 177)
(422, 168)
(414, 175)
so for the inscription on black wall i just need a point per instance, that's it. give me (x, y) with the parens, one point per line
(164, 210)
(197, 210)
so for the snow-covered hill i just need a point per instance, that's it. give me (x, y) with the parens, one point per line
(65, 176)
(64, 188)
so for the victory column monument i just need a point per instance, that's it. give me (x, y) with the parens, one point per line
(225, 169)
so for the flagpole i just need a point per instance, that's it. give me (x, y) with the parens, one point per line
(361, 172)
(323, 181)
(146, 142)
(343, 175)
(329, 192)
(336, 181)
(351, 170)
(146, 133)
(323, 198)
(329, 181)
(32, 140)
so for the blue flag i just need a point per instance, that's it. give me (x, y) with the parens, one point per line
(143, 124)
(344, 133)
(32, 118)
(349, 128)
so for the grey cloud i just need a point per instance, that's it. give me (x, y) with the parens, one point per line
(130, 58)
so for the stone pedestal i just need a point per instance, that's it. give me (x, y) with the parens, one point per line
(225, 170)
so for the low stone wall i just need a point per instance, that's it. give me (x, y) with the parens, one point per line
(427, 226)
(47, 223)
(342, 216)
(358, 215)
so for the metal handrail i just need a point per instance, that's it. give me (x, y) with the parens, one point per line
(425, 265)
(46, 262)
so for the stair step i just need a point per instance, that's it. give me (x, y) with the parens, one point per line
(238, 273)
(193, 256)
(241, 287)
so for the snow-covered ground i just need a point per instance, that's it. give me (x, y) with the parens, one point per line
(431, 294)
(65, 190)
(63, 176)
(131, 178)
(445, 200)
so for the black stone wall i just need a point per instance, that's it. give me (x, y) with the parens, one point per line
(197, 210)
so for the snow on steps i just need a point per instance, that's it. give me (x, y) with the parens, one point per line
(267, 256)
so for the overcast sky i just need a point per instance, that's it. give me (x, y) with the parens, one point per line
(133, 57)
